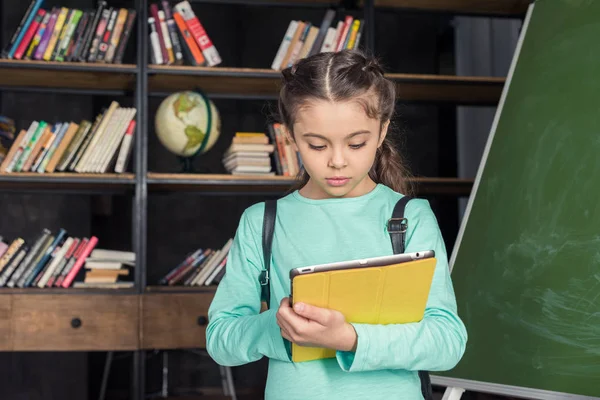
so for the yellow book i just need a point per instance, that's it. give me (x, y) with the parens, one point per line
(58, 27)
(249, 134)
(389, 294)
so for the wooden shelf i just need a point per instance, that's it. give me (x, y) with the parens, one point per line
(448, 88)
(484, 7)
(68, 75)
(217, 183)
(214, 81)
(66, 291)
(66, 181)
(217, 81)
(181, 289)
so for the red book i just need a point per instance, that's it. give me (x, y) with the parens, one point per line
(161, 39)
(29, 34)
(80, 261)
(193, 23)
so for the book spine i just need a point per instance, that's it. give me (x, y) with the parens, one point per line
(126, 148)
(116, 35)
(125, 36)
(80, 261)
(41, 49)
(35, 43)
(60, 278)
(30, 16)
(164, 31)
(78, 36)
(161, 41)
(172, 28)
(27, 38)
(284, 45)
(193, 23)
(157, 55)
(106, 35)
(189, 45)
(323, 31)
(97, 36)
(19, 29)
(69, 31)
(60, 237)
(83, 53)
(60, 21)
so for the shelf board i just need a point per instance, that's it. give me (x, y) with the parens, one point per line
(483, 7)
(66, 291)
(222, 183)
(218, 183)
(67, 75)
(448, 88)
(260, 83)
(66, 181)
(181, 289)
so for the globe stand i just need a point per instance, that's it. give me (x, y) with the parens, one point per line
(187, 164)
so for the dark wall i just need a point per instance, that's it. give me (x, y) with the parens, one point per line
(180, 222)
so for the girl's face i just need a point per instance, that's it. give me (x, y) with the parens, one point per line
(337, 143)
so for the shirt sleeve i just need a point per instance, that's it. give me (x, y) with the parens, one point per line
(237, 333)
(438, 341)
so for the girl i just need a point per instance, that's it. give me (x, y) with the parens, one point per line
(337, 109)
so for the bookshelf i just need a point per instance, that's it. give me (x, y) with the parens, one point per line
(467, 7)
(264, 83)
(174, 317)
(101, 78)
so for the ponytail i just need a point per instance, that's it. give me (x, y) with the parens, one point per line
(389, 169)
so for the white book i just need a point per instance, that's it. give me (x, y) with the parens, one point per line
(284, 45)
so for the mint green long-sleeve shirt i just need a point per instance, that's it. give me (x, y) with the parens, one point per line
(307, 232)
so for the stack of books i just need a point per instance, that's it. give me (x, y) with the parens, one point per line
(249, 153)
(106, 268)
(303, 39)
(70, 34)
(203, 267)
(75, 147)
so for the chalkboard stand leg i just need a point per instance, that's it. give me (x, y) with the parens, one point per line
(453, 393)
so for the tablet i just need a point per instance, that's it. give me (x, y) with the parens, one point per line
(381, 290)
(363, 263)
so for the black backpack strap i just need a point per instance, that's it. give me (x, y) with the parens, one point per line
(267, 240)
(397, 227)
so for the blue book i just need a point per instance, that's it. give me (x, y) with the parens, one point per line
(30, 18)
(45, 258)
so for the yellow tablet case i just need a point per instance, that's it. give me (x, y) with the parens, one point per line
(393, 294)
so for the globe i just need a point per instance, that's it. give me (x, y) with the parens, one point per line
(187, 123)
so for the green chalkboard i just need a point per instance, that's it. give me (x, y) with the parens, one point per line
(526, 266)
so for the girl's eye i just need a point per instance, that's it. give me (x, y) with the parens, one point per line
(316, 147)
(357, 146)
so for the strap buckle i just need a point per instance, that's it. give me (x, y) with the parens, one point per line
(264, 277)
(397, 225)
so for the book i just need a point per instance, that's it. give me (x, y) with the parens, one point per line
(61, 33)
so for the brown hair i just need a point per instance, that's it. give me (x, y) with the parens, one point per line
(341, 76)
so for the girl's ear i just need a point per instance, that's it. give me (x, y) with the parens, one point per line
(383, 133)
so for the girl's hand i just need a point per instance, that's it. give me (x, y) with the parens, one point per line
(312, 326)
